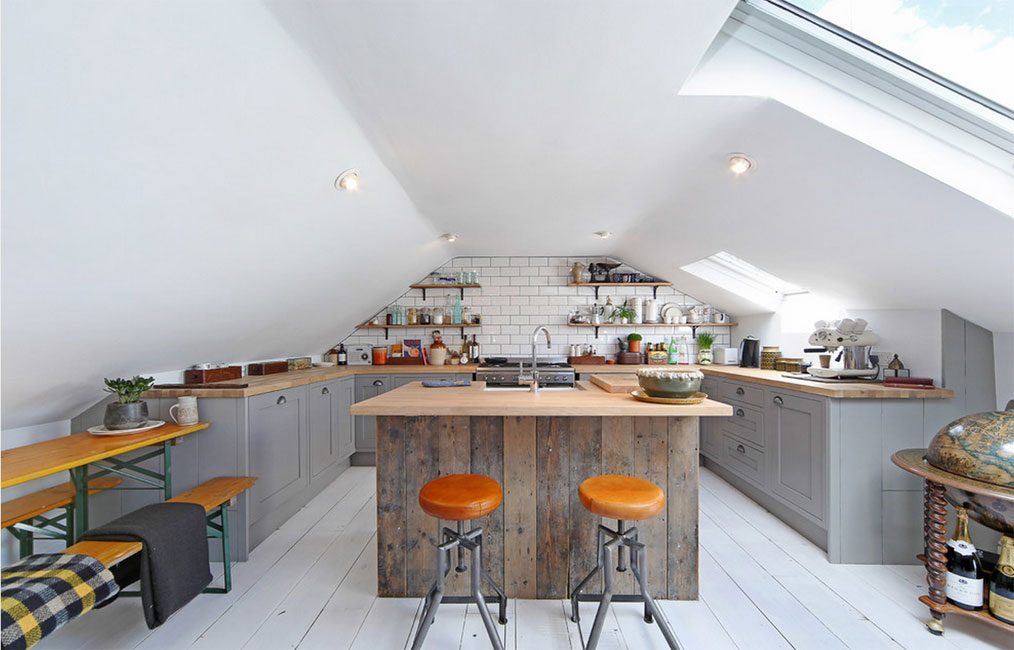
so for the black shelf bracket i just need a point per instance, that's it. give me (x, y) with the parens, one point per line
(596, 327)
(654, 293)
(424, 293)
(386, 334)
(596, 300)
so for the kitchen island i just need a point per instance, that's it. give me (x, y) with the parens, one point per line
(539, 447)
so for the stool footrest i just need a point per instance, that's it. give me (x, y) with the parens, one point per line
(468, 600)
(616, 598)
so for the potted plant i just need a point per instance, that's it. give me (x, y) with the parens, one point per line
(634, 342)
(624, 313)
(705, 356)
(128, 411)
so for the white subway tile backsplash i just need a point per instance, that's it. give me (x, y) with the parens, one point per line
(519, 293)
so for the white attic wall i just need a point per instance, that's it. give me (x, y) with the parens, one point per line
(168, 199)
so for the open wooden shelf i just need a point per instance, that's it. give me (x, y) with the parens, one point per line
(427, 285)
(654, 286)
(442, 326)
(980, 614)
(693, 326)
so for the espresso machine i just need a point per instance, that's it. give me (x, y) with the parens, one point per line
(853, 341)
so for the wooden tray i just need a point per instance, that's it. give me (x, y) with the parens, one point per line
(588, 360)
(696, 398)
(616, 383)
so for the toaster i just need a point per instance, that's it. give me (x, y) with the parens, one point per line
(726, 356)
(360, 355)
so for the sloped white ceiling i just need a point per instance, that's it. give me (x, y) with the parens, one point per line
(525, 127)
(168, 199)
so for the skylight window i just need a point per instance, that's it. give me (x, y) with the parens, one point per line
(964, 46)
(743, 279)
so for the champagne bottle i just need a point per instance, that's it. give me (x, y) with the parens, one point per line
(964, 570)
(465, 351)
(1001, 583)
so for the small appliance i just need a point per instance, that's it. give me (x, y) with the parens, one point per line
(360, 355)
(726, 356)
(853, 342)
(749, 352)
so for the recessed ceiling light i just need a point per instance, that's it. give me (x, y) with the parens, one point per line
(603, 234)
(739, 163)
(347, 181)
(450, 236)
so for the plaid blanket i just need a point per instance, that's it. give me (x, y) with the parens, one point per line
(42, 592)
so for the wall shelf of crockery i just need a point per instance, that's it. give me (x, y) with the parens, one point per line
(693, 326)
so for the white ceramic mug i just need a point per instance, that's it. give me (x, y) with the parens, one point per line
(720, 317)
(187, 411)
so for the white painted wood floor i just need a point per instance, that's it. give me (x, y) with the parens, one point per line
(311, 585)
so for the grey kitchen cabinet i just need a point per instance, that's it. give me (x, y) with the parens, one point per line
(278, 448)
(797, 452)
(323, 416)
(710, 430)
(368, 386)
(344, 422)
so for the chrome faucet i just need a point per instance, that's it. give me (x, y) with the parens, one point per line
(532, 379)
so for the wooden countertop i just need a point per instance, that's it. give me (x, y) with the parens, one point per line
(775, 378)
(587, 399)
(259, 384)
(267, 383)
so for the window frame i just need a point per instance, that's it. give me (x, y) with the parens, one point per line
(959, 106)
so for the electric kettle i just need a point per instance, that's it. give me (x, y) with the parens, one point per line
(749, 352)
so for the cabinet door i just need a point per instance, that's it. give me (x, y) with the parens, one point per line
(368, 386)
(797, 450)
(711, 439)
(346, 428)
(322, 402)
(279, 454)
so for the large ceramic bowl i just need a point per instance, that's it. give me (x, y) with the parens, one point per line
(666, 382)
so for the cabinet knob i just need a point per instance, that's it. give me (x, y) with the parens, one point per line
(741, 449)
(778, 400)
(281, 400)
(740, 391)
(378, 382)
(740, 413)
(325, 391)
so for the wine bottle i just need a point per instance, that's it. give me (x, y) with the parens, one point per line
(1001, 583)
(464, 351)
(474, 353)
(964, 576)
(343, 355)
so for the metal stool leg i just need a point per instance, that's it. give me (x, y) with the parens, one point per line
(640, 568)
(575, 613)
(606, 560)
(501, 594)
(480, 601)
(433, 599)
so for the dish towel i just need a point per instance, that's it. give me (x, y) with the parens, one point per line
(42, 592)
(173, 563)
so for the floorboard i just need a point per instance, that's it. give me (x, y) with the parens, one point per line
(311, 585)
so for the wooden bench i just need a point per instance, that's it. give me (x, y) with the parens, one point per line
(214, 496)
(23, 517)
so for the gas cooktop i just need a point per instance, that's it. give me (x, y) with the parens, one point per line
(504, 371)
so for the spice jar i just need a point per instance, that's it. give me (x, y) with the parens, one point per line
(438, 316)
(424, 316)
(413, 316)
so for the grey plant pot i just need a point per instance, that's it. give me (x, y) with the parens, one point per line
(125, 416)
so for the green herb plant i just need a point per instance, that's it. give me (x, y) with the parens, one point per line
(129, 391)
(634, 336)
(705, 340)
(623, 311)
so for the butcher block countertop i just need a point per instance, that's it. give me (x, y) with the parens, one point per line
(260, 384)
(587, 399)
(776, 379)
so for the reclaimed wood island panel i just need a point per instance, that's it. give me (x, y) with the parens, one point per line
(540, 447)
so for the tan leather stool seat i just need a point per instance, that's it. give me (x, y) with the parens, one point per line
(460, 497)
(621, 497)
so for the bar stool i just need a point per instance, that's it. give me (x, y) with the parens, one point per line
(460, 498)
(622, 498)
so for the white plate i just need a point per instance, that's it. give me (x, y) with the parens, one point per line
(101, 430)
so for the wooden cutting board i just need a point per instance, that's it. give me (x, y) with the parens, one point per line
(615, 383)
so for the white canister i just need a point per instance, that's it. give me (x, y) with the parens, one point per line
(187, 413)
(650, 310)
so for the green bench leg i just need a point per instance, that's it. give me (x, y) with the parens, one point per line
(221, 531)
